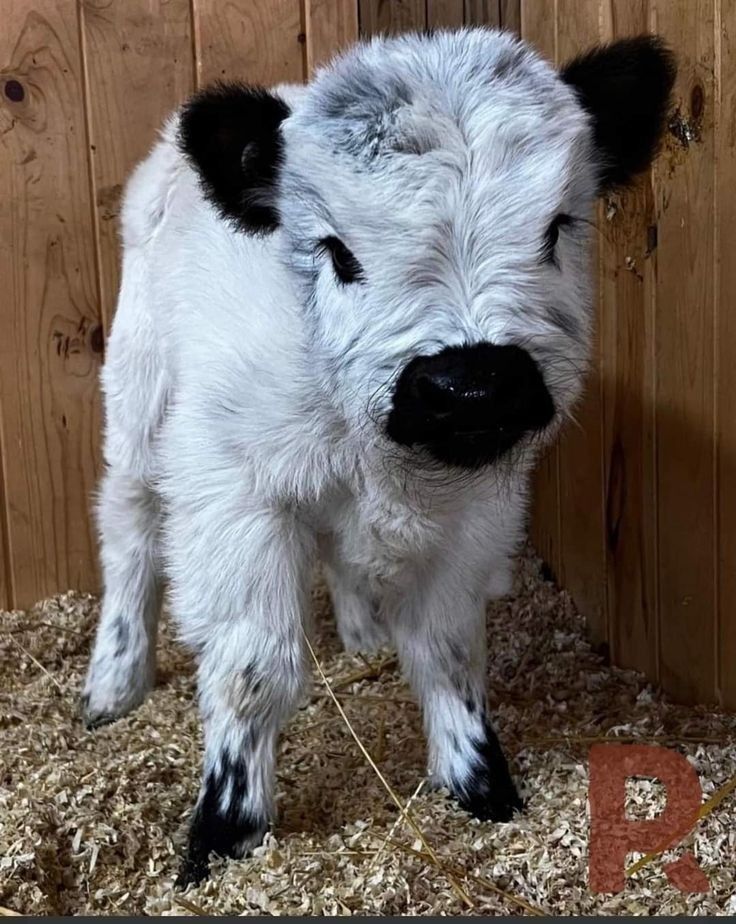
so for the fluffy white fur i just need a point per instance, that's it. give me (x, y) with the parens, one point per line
(247, 390)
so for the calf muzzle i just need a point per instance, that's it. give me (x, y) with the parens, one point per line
(469, 405)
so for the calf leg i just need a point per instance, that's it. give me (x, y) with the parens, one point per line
(123, 665)
(357, 614)
(440, 638)
(240, 585)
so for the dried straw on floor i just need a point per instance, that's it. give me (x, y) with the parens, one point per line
(93, 823)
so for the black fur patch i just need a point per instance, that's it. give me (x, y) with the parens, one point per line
(626, 88)
(489, 793)
(230, 132)
(214, 830)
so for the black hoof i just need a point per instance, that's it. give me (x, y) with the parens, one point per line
(489, 793)
(230, 831)
(220, 834)
(192, 871)
(500, 804)
(94, 720)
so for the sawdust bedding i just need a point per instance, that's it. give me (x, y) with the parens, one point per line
(93, 822)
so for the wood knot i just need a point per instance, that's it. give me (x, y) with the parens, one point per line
(97, 339)
(14, 91)
(697, 102)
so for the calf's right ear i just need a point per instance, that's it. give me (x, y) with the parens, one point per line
(231, 134)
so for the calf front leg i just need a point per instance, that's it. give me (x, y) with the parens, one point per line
(441, 640)
(239, 591)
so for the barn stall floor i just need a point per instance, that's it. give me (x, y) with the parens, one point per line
(93, 822)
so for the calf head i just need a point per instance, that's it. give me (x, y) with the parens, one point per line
(433, 196)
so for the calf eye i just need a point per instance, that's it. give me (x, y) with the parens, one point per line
(347, 269)
(552, 236)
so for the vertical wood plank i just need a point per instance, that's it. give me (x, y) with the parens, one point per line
(448, 14)
(260, 41)
(581, 447)
(628, 242)
(538, 26)
(6, 587)
(684, 190)
(51, 343)
(725, 299)
(510, 11)
(139, 67)
(392, 16)
(331, 25)
(483, 12)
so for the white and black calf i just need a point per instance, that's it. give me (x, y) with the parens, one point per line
(351, 313)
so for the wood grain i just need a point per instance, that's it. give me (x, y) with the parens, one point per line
(510, 12)
(392, 16)
(330, 25)
(139, 67)
(6, 585)
(538, 26)
(483, 12)
(52, 336)
(581, 447)
(261, 41)
(684, 190)
(725, 332)
(447, 14)
(628, 266)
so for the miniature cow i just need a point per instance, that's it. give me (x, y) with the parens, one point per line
(351, 314)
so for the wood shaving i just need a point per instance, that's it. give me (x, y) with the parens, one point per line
(94, 822)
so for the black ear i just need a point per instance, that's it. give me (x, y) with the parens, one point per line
(231, 134)
(626, 88)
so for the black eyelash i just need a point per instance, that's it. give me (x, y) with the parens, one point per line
(347, 269)
(552, 235)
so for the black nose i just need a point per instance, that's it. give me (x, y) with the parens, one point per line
(469, 405)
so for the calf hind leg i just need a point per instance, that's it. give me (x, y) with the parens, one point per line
(123, 665)
(357, 613)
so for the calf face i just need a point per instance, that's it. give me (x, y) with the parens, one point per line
(435, 194)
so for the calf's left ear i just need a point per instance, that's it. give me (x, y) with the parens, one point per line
(231, 134)
(626, 88)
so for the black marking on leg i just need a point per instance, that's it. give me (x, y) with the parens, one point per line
(470, 705)
(122, 636)
(219, 830)
(251, 682)
(488, 792)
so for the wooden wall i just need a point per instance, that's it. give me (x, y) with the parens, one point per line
(636, 507)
